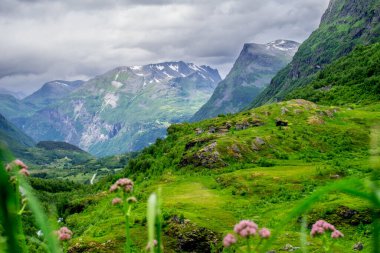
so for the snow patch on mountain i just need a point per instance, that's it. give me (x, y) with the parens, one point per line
(116, 84)
(111, 100)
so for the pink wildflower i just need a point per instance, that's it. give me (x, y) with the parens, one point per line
(64, 234)
(246, 228)
(24, 172)
(20, 163)
(336, 234)
(114, 187)
(228, 240)
(264, 233)
(321, 226)
(124, 183)
(116, 201)
(154, 245)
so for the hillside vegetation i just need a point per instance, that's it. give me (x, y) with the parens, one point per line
(215, 172)
(353, 79)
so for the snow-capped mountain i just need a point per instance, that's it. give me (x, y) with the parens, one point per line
(251, 73)
(126, 108)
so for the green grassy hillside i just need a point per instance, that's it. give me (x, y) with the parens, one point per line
(14, 138)
(215, 172)
(354, 79)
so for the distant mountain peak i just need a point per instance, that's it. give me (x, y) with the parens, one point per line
(163, 72)
(252, 71)
(284, 45)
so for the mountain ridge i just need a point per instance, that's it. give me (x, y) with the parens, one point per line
(251, 72)
(125, 108)
(344, 25)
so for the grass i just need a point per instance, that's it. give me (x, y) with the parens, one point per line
(299, 171)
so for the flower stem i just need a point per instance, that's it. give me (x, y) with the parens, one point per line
(248, 245)
(127, 213)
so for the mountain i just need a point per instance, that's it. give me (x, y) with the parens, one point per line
(51, 91)
(16, 94)
(14, 138)
(353, 79)
(126, 108)
(344, 25)
(13, 108)
(251, 73)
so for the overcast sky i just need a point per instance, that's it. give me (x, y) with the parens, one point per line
(43, 40)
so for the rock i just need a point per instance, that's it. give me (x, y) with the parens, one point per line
(212, 129)
(315, 120)
(223, 130)
(235, 151)
(207, 157)
(199, 131)
(290, 248)
(329, 113)
(259, 141)
(228, 125)
(257, 144)
(241, 126)
(336, 176)
(284, 110)
(266, 113)
(358, 246)
(191, 238)
(281, 123)
(256, 122)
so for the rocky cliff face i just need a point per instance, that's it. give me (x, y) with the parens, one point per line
(126, 108)
(252, 71)
(345, 24)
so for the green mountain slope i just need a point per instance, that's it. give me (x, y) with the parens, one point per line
(218, 171)
(353, 79)
(251, 73)
(52, 91)
(15, 139)
(345, 24)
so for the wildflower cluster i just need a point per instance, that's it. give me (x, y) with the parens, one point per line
(126, 185)
(23, 168)
(64, 234)
(321, 226)
(123, 183)
(246, 229)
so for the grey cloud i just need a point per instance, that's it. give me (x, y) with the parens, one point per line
(52, 39)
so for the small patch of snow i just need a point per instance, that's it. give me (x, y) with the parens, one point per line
(136, 67)
(160, 67)
(59, 83)
(170, 76)
(111, 100)
(116, 84)
(174, 67)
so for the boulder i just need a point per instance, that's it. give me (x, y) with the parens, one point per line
(198, 131)
(284, 110)
(358, 246)
(281, 123)
(315, 120)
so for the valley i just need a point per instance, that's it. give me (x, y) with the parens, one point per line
(280, 155)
